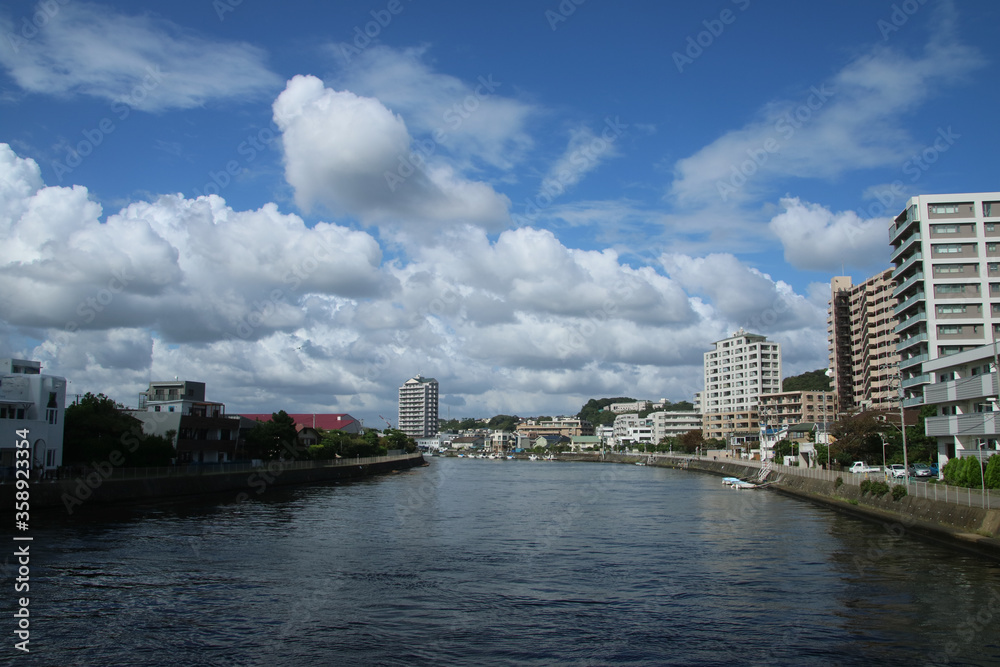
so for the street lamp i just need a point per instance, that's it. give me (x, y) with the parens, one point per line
(982, 475)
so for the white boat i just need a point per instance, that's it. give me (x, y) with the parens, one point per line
(533, 457)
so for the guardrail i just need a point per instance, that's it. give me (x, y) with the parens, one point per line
(943, 492)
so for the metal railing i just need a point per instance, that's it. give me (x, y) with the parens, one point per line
(958, 495)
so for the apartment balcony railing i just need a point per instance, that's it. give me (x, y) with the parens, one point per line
(905, 266)
(910, 282)
(964, 389)
(896, 231)
(915, 380)
(977, 423)
(919, 296)
(913, 361)
(906, 324)
(910, 342)
(906, 245)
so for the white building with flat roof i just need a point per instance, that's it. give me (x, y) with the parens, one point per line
(32, 408)
(946, 259)
(737, 371)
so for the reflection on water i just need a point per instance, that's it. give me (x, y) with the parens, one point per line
(476, 562)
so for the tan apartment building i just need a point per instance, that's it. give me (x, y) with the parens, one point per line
(568, 426)
(737, 372)
(861, 331)
(796, 407)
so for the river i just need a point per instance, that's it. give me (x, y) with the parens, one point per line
(473, 562)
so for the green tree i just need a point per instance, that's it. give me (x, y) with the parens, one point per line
(96, 427)
(689, 442)
(593, 410)
(275, 439)
(993, 472)
(808, 381)
(504, 422)
(782, 449)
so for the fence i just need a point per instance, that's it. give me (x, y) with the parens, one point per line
(943, 492)
(200, 469)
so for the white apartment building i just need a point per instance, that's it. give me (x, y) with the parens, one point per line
(861, 330)
(629, 428)
(964, 392)
(946, 254)
(418, 407)
(737, 372)
(34, 405)
(621, 408)
(674, 424)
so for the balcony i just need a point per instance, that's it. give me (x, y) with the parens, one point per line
(912, 361)
(917, 258)
(919, 296)
(905, 246)
(910, 342)
(906, 324)
(915, 380)
(977, 423)
(970, 388)
(896, 231)
(910, 282)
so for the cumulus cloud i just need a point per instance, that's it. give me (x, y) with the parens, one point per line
(354, 156)
(819, 239)
(146, 62)
(477, 123)
(742, 295)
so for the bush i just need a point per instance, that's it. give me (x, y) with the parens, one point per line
(838, 483)
(879, 488)
(865, 486)
(898, 491)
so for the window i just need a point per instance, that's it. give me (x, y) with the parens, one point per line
(50, 458)
(51, 414)
(946, 310)
(948, 248)
(990, 226)
(949, 268)
(945, 229)
(949, 330)
(943, 209)
(991, 208)
(949, 289)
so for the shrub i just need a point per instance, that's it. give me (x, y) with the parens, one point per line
(865, 486)
(898, 491)
(879, 488)
(838, 483)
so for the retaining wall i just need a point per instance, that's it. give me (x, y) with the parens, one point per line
(73, 493)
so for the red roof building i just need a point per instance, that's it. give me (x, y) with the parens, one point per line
(327, 422)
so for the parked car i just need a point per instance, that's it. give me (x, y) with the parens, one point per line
(897, 470)
(922, 470)
(861, 466)
(935, 471)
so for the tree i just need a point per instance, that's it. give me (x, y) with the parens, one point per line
(690, 442)
(858, 438)
(816, 380)
(593, 410)
(782, 449)
(97, 429)
(274, 439)
(504, 422)
(993, 472)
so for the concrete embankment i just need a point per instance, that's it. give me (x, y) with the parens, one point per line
(972, 528)
(92, 489)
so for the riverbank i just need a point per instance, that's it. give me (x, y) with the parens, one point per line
(105, 488)
(971, 528)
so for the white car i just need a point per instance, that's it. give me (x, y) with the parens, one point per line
(897, 470)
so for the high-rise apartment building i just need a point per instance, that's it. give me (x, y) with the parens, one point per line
(861, 328)
(737, 372)
(418, 407)
(946, 253)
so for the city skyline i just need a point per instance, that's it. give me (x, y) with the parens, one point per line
(303, 209)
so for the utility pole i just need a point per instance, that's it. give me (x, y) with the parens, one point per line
(902, 427)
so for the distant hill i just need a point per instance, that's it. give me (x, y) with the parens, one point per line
(808, 381)
(591, 411)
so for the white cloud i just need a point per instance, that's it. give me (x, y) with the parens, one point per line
(144, 61)
(477, 123)
(846, 123)
(356, 157)
(584, 153)
(818, 239)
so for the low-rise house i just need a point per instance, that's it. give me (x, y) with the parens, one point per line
(202, 431)
(32, 409)
(581, 443)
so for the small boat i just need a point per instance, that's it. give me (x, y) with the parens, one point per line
(533, 457)
(510, 457)
(640, 463)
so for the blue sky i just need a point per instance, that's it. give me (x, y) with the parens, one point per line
(535, 203)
